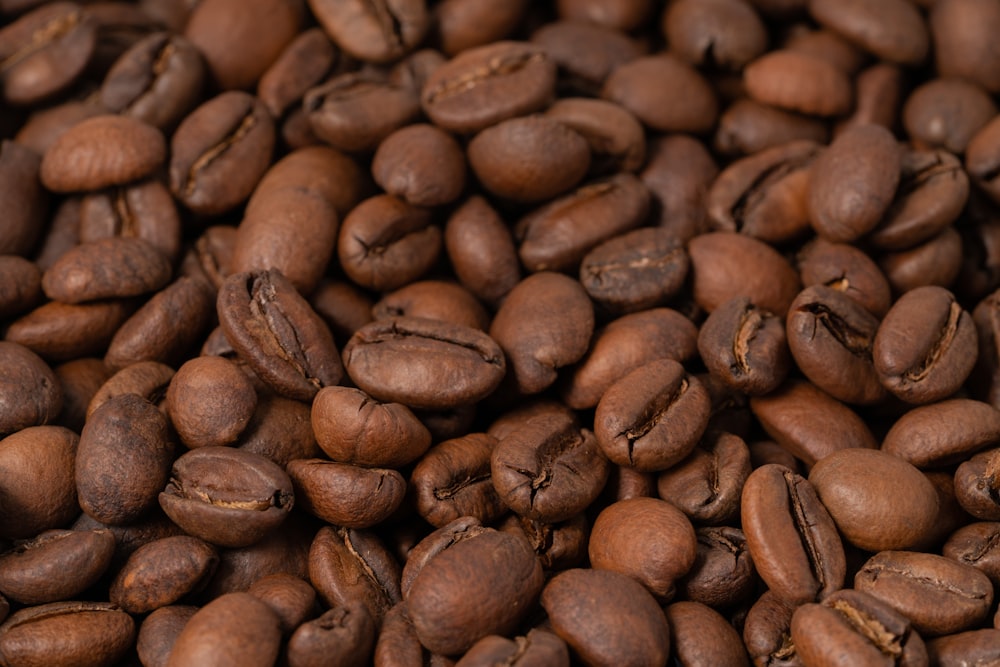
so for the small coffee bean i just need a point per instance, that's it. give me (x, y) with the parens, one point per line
(148, 379)
(163, 572)
(699, 635)
(976, 544)
(466, 24)
(767, 632)
(481, 249)
(723, 573)
(377, 32)
(340, 636)
(616, 138)
(344, 494)
(210, 401)
(747, 126)
(307, 60)
(421, 164)
(29, 390)
(976, 485)
(83, 634)
(917, 436)
(144, 210)
(435, 300)
(234, 628)
(453, 480)
(56, 565)
(654, 105)
(678, 173)
(39, 490)
(159, 631)
(110, 268)
(706, 485)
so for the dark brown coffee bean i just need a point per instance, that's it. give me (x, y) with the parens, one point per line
(706, 485)
(723, 33)
(976, 544)
(538, 647)
(280, 431)
(973, 647)
(255, 33)
(846, 269)
(421, 164)
(655, 106)
(767, 632)
(481, 249)
(307, 60)
(24, 218)
(83, 634)
(918, 436)
(635, 271)
(878, 94)
(292, 598)
(283, 551)
(45, 51)
(864, 159)
(947, 113)
(760, 272)
(341, 637)
(227, 497)
(745, 347)
(624, 345)
(453, 480)
(130, 431)
(939, 596)
(446, 365)
(546, 322)
(344, 494)
(653, 417)
(937, 261)
(219, 153)
(148, 379)
(855, 624)
(962, 46)
(100, 152)
(39, 490)
(701, 636)
(764, 195)
(588, 608)
(30, 393)
(434, 300)
(158, 80)
(799, 82)
(445, 537)
(460, 596)
(80, 380)
(357, 110)
(56, 565)
(386, 243)
(678, 173)
(378, 32)
(747, 126)
(809, 423)
(558, 545)
(159, 631)
(723, 573)
(877, 500)
(350, 566)
(557, 236)
(586, 52)
(110, 268)
(466, 24)
(236, 628)
(61, 332)
(278, 334)
(925, 347)
(163, 572)
(144, 210)
(210, 401)
(893, 31)
(976, 485)
(615, 135)
(791, 537)
(485, 85)
(397, 644)
(830, 337)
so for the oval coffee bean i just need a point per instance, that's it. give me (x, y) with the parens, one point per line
(453, 479)
(917, 438)
(723, 573)
(421, 164)
(162, 572)
(235, 628)
(111, 268)
(706, 485)
(376, 32)
(340, 636)
(538, 647)
(159, 631)
(799, 82)
(893, 30)
(30, 392)
(654, 105)
(38, 488)
(210, 401)
(60, 634)
(344, 494)
(56, 565)
(700, 635)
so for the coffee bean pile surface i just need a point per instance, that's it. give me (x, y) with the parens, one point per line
(418, 333)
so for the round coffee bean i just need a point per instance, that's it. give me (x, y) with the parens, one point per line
(233, 628)
(420, 164)
(29, 390)
(162, 572)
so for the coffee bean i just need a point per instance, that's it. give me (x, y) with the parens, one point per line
(915, 436)
(340, 636)
(767, 632)
(377, 32)
(159, 631)
(893, 31)
(975, 485)
(747, 126)
(20, 187)
(56, 565)
(344, 494)
(236, 627)
(799, 82)
(947, 113)
(586, 52)
(453, 479)
(723, 573)
(60, 634)
(435, 300)
(538, 647)
(706, 485)
(144, 210)
(39, 492)
(615, 135)
(147, 379)
(878, 94)
(970, 647)
(307, 60)
(655, 106)
(699, 635)
(466, 24)
(111, 268)
(402, 166)
(290, 597)
(280, 431)
(29, 390)
(722, 33)
(845, 268)
(960, 29)
(976, 544)
(678, 173)
(162, 573)
(481, 250)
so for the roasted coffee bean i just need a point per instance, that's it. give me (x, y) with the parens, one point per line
(378, 32)
(292, 598)
(446, 365)
(917, 438)
(148, 379)
(723, 573)
(159, 631)
(280, 430)
(344, 494)
(747, 126)
(586, 52)
(970, 647)
(947, 113)
(29, 390)
(538, 647)
(421, 164)
(19, 185)
(485, 85)
(878, 94)
(309, 59)
(233, 628)
(163, 572)
(56, 565)
(61, 332)
(588, 608)
(939, 596)
(745, 347)
(84, 634)
(341, 636)
(144, 210)
(227, 497)
(976, 485)
(111, 268)
(453, 480)
(925, 346)
(284, 551)
(614, 134)
(799, 82)
(699, 635)
(960, 29)
(558, 545)
(548, 469)
(937, 261)
(723, 33)
(435, 300)
(465, 24)
(877, 500)
(976, 544)
(278, 334)
(678, 173)
(219, 153)
(847, 269)
(706, 485)
(893, 31)
(210, 401)
(481, 250)
(791, 537)
(445, 537)
(80, 379)
(767, 632)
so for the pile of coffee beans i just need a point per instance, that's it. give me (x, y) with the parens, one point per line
(499, 332)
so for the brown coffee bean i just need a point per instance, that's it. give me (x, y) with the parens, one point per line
(939, 596)
(538, 647)
(453, 480)
(961, 31)
(45, 51)
(864, 159)
(855, 624)
(976, 544)
(655, 106)
(357, 110)
(615, 135)
(227, 497)
(767, 632)
(588, 610)
(376, 32)
(254, 35)
(466, 24)
(421, 164)
(80, 379)
(809, 423)
(24, 219)
(148, 379)
(446, 365)
(291, 598)
(344, 494)
(799, 82)
(344, 307)
(130, 431)
(699, 635)
(100, 152)
(760, 273)
(624, 345)
(791, 537)
(435, 300)
(219, 153)
(546, 322)
(723, 33)
(745, 347)
(348, 567)
(479, 586)
(485, 85)
(878, 94)
(918, 436)
(893, 31)
(44, 126)
(277, 333)
(557, 236)
(586, 52)
(846, 269)
(56, 565)
(481, 249)
(83, 634)
(341, 637)
(29, 390)
(830, 337)
(283, 551)
(397, 644)
(976, 485)
(937, 261)
(678, 173)
(947, 113)
(159, 631)
(60, 332)
(210, 401)
(747, 126)
(706, 485)
(970, 647)
(163, 572)
(558, 546)
(144, 210)
(305, 62)
(158, 80)
(236, 628)
(280, 431)
(432, 544)
(723, 573)
(925, 357)
(110, 268)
